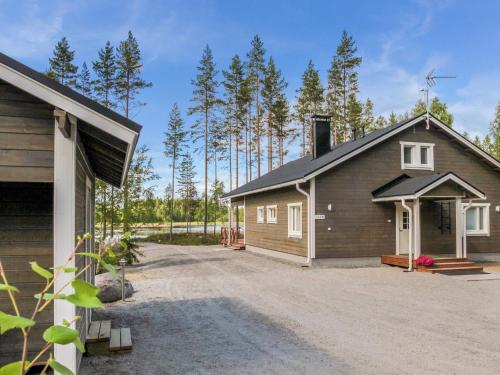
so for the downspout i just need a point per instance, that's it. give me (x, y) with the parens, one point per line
(464, 229)
(410, 242)
(309, 237)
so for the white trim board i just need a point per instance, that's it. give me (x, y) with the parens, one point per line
(64, 233)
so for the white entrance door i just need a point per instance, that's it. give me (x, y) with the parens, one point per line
(403, 230)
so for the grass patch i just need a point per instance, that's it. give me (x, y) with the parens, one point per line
(192, 239)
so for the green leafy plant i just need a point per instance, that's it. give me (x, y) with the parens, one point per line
(84, 295)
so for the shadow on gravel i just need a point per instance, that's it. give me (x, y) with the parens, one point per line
(182, 261)
(206, 336)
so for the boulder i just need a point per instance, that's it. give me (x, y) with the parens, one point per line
(111, 288)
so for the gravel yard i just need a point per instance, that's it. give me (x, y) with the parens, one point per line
(209, 310)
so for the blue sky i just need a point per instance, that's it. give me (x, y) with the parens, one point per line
(399, 42)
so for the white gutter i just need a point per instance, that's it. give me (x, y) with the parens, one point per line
(410, 225)
(464, 221)
(309, 223)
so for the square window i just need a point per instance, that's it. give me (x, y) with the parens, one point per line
(477, 221)
(415, 155)
(272, 214)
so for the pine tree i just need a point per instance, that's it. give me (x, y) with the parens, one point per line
(187, 188)
(354, 117)
(84, 83)
(104, 86)
(379, 123)
(343, 85)
(393, 118)
(310, 100)
(61, 67)
(256, 70)
(139, 183)
(175, 136)
(436, 108)
(236, 95)
(281, 123)
(205, 102)
(216, 193)
(127, 86)
(495, 133)
(367, 120)
(272, 90)
(105, 70)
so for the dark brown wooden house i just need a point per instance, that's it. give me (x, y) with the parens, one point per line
(54, 142)
(417, 187)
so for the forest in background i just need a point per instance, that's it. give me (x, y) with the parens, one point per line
(242, 125)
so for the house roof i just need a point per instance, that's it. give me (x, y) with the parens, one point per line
(405, 187)
(109, 138)
(301, 170)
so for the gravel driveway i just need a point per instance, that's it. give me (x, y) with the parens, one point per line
(209, 310)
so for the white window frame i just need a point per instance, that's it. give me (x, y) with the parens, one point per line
(271, 219)
(294, 233)
(416, 156)
(261, 218)
(486, 219)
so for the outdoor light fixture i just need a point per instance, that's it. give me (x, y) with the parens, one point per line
(122, 263)
(329, 206)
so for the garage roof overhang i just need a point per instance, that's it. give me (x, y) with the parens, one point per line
(109, 138)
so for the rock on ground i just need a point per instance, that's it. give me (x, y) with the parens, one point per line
(111, 288)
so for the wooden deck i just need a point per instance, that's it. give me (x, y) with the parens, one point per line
(441, 265)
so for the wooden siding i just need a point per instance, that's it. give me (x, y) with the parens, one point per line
(275, 236)
(25, 235)
(82, 172)
(362, 228)
(26, 137)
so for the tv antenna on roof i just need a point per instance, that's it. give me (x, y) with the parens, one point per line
(430, 80)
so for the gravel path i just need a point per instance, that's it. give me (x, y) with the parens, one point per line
(209, 310)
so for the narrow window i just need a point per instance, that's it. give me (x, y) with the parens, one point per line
(424, 159)
(295, 220)
(408, 150)
(260, 215)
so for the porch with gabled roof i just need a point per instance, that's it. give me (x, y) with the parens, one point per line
(408, 194)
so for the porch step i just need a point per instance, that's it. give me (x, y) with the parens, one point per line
(457, 270)
(239, 246)
(120, 340)
(102, 339)
(449, 260)
(452, 264)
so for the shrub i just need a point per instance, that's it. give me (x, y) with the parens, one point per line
(83, 295)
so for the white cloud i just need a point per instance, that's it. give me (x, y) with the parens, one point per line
(35, 29)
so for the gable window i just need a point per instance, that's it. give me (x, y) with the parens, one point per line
(272, 214)
(415, 155)
(477, 219)
(260, 215)
(295, 220)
